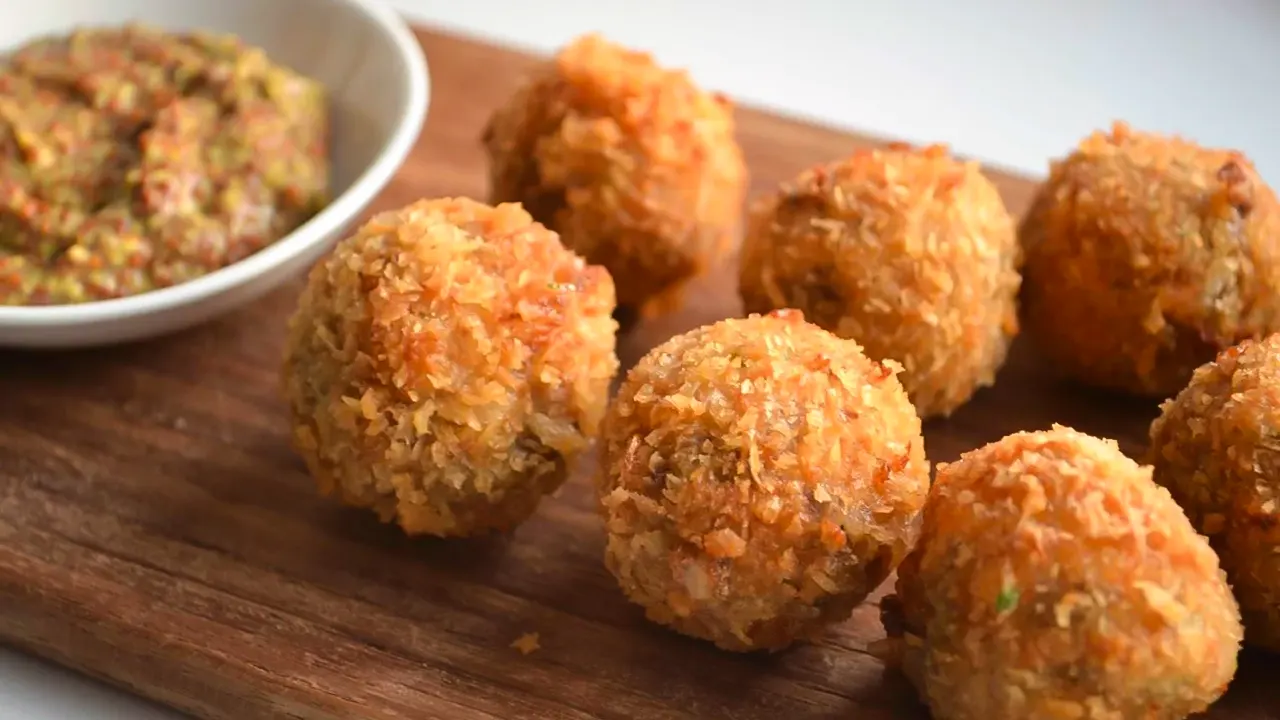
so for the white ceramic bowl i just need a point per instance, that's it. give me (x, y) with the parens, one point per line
(378, 85)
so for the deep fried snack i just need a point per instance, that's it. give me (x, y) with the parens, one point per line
(910, 252)
(1146, 255)
(1054, 579)
(1216, 446)
(759, 477)
(634, 165)
(446, 363)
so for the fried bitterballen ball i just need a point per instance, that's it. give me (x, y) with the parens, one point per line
(1146, 255)
(759, 477)
(1054, 579)
(1216, 446)
(908, 251)
(635, 166)
(446, 363)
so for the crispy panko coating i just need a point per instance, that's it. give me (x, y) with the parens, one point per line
(636, 167)
(759, 477)
(1053, 579)
(446, 363)
(1216, 446)
(1146, 255)
(908, 251)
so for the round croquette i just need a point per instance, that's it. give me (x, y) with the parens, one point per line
(1216, 446)
(1054, 579)
(446, 363)
(634, 165)
(1146, 255)
(907, 251)
(759, 477)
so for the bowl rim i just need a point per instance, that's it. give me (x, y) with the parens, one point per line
(342, 209)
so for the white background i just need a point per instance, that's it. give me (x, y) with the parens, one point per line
(1012, 83)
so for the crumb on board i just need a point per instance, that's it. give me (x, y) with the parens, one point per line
(527, 643)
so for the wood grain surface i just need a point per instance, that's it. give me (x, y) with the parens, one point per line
(157, 531)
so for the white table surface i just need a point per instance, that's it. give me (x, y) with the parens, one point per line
(1012, 83)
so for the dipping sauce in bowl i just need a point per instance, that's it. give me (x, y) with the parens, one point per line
(133, 159)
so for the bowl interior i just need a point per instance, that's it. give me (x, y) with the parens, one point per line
(330, 40)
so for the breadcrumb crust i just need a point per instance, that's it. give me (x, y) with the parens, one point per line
(632, 163)
(1146, 255)
(1054, 579)
(759, 477)
(1216, 446)
(908, 251)
(446, 363)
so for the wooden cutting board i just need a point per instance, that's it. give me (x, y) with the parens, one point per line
(156, 530)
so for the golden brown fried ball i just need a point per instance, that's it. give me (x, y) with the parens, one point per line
(1054, 579)
(634, 165)
(446, 363)
(1146, 255)
(910, 252)
(759, 477)
(1217, 448)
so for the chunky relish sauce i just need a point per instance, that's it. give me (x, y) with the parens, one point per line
(133, 159)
